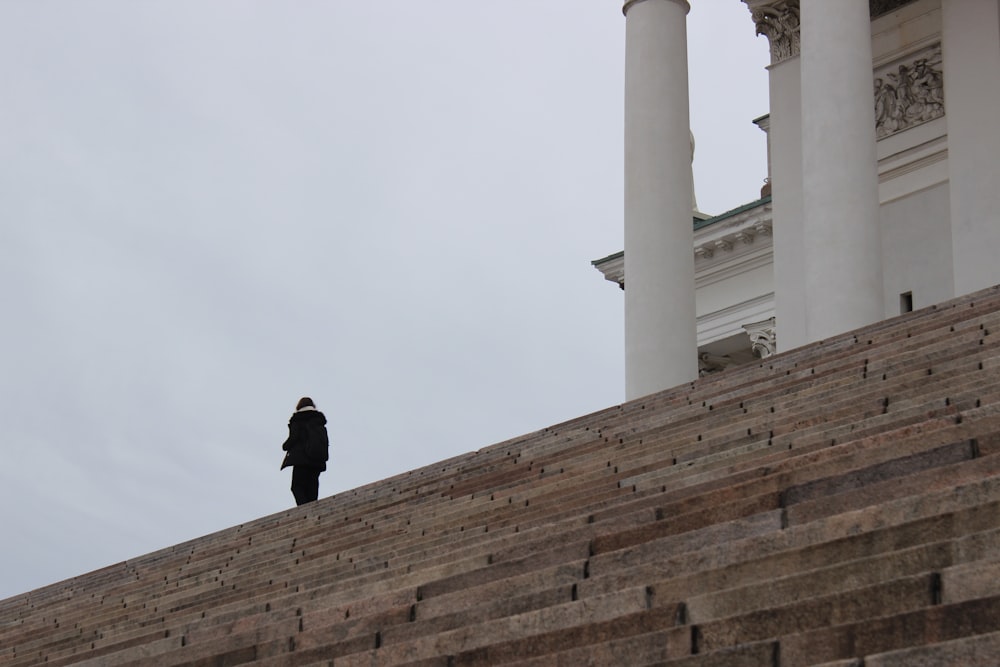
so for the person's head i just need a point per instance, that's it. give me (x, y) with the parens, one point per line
(305, 402)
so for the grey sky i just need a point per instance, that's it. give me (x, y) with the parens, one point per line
(209, 209)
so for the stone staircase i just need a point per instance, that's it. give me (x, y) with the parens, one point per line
(835, 504)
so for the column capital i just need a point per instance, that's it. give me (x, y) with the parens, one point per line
(778, 20)
(763, 340)
(628, 5)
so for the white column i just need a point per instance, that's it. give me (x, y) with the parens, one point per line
(843, 272)
(779, 21)
(971, 71)
(661, 345)
(786, 202)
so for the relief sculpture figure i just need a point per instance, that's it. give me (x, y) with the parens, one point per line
(910, 95)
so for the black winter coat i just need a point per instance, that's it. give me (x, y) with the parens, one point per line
(307, 444)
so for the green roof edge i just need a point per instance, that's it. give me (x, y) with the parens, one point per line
(701, 224)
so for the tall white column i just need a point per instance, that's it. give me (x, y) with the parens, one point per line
(779, 21)
(843, 272)
(970, 46)
(661, 344)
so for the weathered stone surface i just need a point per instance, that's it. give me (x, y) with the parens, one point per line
(645, 649)
(884, 599)
(813, 583)
(881, 635)
(969, 581)
(837, 503)
(756, 654)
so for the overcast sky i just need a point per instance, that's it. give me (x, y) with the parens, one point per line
(211, 208)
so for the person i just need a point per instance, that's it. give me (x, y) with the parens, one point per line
(307, 450)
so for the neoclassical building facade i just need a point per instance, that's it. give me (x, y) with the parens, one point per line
(883, 192)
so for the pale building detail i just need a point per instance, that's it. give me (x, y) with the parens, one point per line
(909, 93)
(872, 205)
(778, 20)
(763, 338)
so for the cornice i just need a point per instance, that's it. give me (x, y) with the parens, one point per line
(612, 267)
(733, 234)
(735, 241)
(731, 266)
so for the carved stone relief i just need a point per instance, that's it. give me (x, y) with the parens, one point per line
(779, 22)
(909, 93)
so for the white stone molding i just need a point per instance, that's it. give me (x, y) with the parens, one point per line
(763, 340)
(897, 35)
(778, 20)
(612, 267)
(735, 265)
(728, 235)
(720, 241)
(728, 322)
(909, 92)
(913, 160)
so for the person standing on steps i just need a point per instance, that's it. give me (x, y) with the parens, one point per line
(306, 450)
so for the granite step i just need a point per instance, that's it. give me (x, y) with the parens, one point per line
(932, 624)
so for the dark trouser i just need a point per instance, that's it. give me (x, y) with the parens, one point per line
(305, 484)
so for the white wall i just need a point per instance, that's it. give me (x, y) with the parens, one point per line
(916, 248)
(971, 49)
